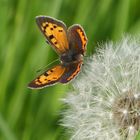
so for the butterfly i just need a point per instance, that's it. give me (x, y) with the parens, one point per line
(69, 43)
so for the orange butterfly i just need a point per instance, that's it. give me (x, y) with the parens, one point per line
(69, 44)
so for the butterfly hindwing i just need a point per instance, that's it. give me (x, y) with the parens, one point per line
(77, 39)
(49, 77)
(71, 71)
(55, 32)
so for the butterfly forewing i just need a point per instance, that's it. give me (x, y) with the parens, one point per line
(49, 77)
(77, 39)
(55, 31)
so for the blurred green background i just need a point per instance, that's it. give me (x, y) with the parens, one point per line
(27, 114)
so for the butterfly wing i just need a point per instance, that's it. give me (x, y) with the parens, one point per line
(49, 77)
(77, 39)
(55, 32)
(58, 73)
(71, 71)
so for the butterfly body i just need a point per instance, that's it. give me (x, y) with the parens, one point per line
(69, 44)
(70, 58)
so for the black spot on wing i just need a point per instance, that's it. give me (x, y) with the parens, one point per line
(60, 30)
(46, 74)
(51, 37)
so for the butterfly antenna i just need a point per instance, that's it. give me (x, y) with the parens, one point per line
(42, 68)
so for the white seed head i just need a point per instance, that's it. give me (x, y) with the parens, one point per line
(105, 102)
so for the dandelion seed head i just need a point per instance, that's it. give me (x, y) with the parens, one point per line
(105, 102)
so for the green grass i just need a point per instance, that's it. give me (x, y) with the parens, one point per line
(34, 114)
